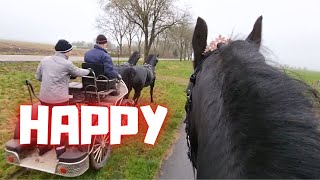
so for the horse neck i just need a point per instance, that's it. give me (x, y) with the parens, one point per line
(253, 120)
(133, 60)
(220, 122)
(216, 153)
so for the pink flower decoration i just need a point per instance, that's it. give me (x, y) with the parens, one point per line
(213, 44)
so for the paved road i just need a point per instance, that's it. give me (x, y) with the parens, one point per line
(178, 166)
(38, 58)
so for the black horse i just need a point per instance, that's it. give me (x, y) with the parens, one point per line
(134, 58)
(247, 119)
(126, 70)
(144, 76)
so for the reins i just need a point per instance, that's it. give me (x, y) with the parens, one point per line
(188, 105)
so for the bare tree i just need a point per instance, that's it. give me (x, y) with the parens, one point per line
(131, 33)
(166, 46)
(181, 35)
(151, 16)
(187, 38)
(114, 24)
(139, 39)
(156, 44)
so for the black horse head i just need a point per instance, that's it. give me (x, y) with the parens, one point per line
(127, 71)
(247, 119)
(135, 56)
(144, 76)
(152, 60)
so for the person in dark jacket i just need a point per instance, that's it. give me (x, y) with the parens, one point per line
(100, 56)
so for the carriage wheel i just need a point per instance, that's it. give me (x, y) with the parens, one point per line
(100, 152)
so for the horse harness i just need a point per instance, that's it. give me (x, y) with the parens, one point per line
(149, 66)
(188, 106)
(151, 73)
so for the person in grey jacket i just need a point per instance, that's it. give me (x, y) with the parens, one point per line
(99, 55)
(54, 73)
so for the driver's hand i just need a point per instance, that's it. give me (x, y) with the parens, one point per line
(91, 70)
(119, 77)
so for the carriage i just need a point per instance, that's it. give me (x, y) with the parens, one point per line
(95, 89)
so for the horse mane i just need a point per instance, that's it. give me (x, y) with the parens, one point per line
(272, 118)
(247, 118)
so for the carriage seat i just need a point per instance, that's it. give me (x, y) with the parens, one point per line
(102, 82)
(91, 83)
(15, 146)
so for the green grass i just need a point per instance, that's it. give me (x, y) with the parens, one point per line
(309, 76)
(132, 159)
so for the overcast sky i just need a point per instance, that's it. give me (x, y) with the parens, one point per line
(291, 28)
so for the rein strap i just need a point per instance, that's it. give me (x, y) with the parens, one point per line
(188, 105)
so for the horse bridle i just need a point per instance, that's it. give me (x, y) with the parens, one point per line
(188, 105)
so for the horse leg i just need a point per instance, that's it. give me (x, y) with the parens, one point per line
(151, 90)
(137, 94)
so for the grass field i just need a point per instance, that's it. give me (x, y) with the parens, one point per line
(8, 47)
(132, 159)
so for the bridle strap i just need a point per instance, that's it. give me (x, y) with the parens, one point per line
(188, 105)
(192, 80)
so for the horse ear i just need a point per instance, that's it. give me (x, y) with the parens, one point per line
(199, 40)
(255, 35)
